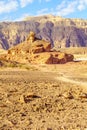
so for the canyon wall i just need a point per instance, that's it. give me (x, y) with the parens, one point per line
(60, 32)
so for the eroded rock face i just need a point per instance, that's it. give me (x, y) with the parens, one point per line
(60, 32)
(52, 58)
(40, 46)
(37, 51)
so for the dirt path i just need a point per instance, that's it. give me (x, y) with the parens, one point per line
(68, 80)
(68, 76)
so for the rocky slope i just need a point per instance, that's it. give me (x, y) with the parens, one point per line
(37, 51)
(61, 32)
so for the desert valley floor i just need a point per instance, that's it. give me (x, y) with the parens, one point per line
(46, 97)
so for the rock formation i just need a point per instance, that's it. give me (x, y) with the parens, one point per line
(61, 32)
(37, 51)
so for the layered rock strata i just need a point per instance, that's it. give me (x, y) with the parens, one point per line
(37, 51)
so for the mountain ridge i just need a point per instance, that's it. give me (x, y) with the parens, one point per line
(60, 32)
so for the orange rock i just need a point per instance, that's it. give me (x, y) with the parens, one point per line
(50, 58)
(38, 51)
(31, 37)
(40, 46)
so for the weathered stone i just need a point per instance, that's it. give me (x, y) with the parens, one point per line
(41, 46)
(60, 32)
(39, 52)
(31, 37)
(51, 58)
(27, 97)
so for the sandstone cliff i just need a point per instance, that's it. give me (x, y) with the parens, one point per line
(61, 32)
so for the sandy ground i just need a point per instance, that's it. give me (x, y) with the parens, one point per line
(53, 97)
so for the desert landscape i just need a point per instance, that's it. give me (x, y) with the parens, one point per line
(43, 64)
(48, 94)
(44, 97)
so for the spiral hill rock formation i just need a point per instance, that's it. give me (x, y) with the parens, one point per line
(38, 51)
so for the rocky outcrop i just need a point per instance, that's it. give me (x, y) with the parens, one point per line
(37, 51)
(60, 32)
(40, 46)
(52, 58)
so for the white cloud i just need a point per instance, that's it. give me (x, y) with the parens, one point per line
(67, 7)
(6, 7)
(24, 3)
(82, 5)
(23, 17)
(64, 8)
(42, 11)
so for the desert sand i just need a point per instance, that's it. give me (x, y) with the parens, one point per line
(50, 97)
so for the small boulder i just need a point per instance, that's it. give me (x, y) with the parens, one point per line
(27, 97)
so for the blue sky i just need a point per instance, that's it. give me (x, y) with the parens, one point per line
(12, 10)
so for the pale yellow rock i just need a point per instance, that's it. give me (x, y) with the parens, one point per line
(21, 99)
